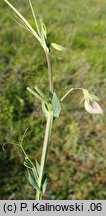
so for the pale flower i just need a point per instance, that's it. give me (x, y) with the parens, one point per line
(93, 107)
(90, 103)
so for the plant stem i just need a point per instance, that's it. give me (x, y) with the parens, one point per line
(47, 131)
(69, 91)
(66, 94)
(50, 75)
(44, 152)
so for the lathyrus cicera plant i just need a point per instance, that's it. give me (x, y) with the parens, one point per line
(51, 106)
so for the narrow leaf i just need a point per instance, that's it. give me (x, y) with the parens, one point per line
(34, 93)
(24, 20)
(34, 16)
(41, 93)
(58, 47)
(43, 27)
(20, 23)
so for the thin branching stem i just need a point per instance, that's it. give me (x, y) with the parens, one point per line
(69, 91)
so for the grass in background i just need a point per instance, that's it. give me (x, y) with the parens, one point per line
(79, 173)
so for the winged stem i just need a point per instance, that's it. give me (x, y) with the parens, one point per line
(44, 152)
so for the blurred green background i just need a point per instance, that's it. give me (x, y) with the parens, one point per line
(76, 167)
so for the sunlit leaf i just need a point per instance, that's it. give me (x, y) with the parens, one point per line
(56, 105)
(58, 47)
(33, 182)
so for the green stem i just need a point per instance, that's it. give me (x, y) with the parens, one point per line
(44, 152)
(50, 75)
(69, 91)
